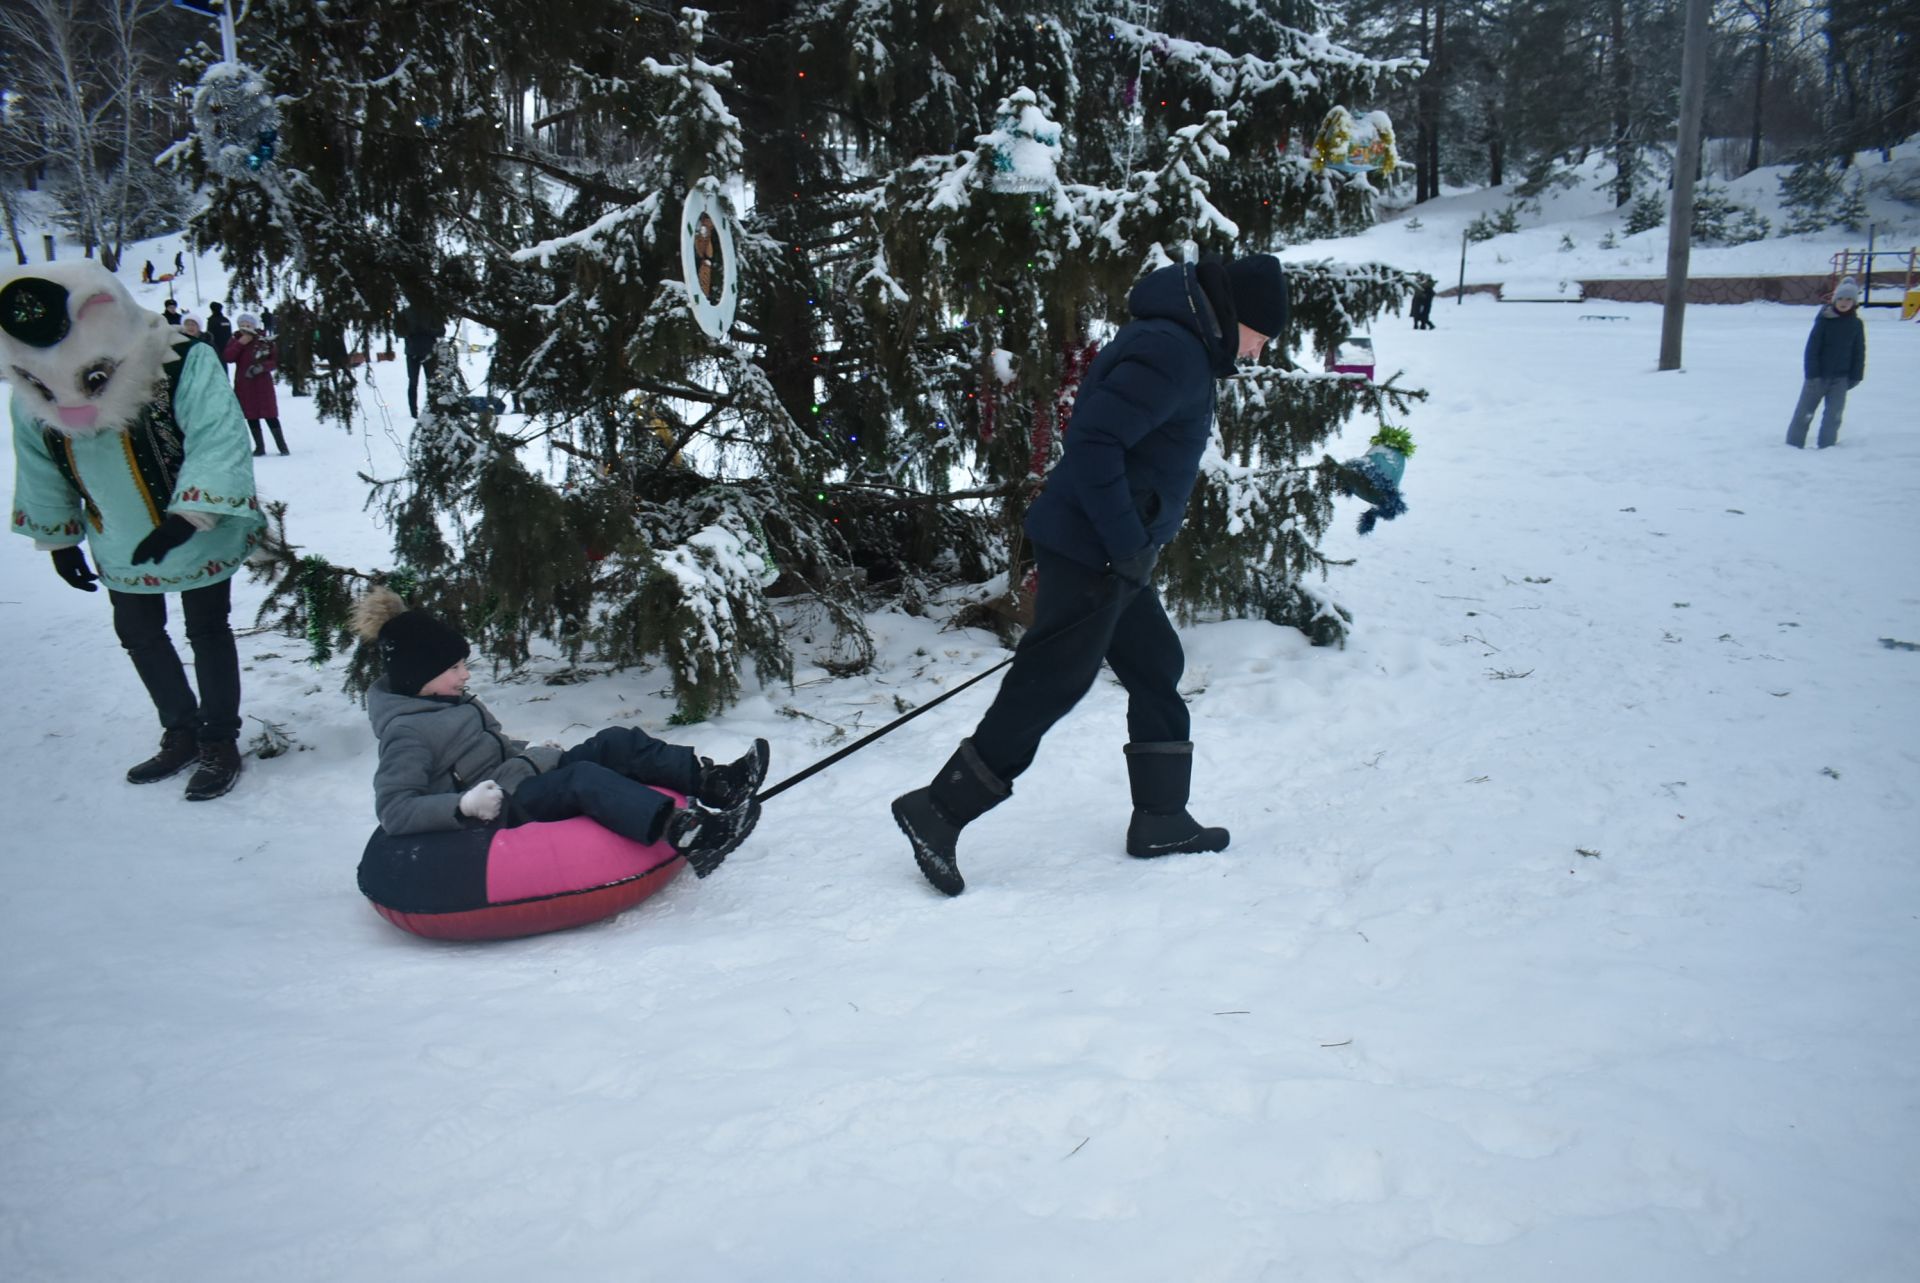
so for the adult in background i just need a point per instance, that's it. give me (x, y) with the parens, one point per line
(170, 312)
(1835, 362)
(422, 327)
(128, 440)
(1117, 497)
(1423, 303)
(190, 326)
(219, 331)
(254, 360)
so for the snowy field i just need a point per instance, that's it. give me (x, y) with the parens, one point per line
(1569, 931)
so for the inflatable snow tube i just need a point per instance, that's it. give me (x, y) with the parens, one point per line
(500, 884)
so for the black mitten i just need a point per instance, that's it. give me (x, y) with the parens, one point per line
(71, 565)
(168, 535)
(1137, 569)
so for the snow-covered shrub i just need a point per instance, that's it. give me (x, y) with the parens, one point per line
(1646, 213)
(1720, 220)
(1809, 192)
(1487, 226)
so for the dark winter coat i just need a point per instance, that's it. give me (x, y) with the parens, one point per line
(1142, 418)
(433, 749)
(421, 328)
(220, 332)
(1837, 346)
(253, 366)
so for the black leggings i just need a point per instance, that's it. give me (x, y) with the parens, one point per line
(259, 446)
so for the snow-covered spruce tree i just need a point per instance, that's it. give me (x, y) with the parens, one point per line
(1120, 147)
(521, 166)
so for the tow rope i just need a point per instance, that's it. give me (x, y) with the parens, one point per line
(869, 738)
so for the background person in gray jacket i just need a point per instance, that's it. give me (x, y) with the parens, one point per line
(1836, 361)
(446, 764)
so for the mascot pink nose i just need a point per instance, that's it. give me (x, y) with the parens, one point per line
(78, 416)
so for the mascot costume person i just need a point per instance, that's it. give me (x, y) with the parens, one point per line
(128, 437)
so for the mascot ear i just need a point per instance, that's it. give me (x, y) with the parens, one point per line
(34, 311)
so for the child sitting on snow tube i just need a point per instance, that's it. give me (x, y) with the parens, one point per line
(445, 765)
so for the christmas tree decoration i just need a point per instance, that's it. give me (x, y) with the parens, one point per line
(1355, 144)
(1026, 145)
(707, 262)
(235, 119)
(1375, 476)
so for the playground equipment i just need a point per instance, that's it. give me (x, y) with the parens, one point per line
(1860, 265)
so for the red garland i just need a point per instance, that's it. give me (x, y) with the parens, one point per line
(1060, 412)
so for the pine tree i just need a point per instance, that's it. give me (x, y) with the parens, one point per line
(940, 210)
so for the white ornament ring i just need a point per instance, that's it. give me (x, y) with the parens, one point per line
(707, 261)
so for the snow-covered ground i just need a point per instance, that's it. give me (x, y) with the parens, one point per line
(1569, 930)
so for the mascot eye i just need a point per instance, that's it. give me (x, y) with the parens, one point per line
(94, 379)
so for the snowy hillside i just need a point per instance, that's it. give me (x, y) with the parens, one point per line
(1427, 237)
(1569, 929)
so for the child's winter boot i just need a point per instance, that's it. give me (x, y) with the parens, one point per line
(177, 750)
(932, 817)
(725, 787)
(706, 837)
(1162, 775)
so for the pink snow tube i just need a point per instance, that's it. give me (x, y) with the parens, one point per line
(498, 884)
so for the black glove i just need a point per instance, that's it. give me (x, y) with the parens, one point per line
(71, 565)
(1137, 569)
(168, 535)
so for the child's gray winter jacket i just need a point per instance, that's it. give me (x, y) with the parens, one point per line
(433, 749)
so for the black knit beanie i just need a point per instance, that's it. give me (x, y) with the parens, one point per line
(1259, 293)
(418, 648)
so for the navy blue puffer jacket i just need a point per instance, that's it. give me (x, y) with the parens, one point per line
(1837, 346)
(1143, 416)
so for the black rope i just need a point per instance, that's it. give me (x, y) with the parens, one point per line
(865, 740)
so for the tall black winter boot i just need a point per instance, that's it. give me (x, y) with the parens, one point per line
(932, 817)
(177, 749)
(1162, 775)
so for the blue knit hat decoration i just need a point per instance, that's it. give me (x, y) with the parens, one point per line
(1375, 476)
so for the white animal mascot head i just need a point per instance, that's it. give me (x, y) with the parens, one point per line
(82, 355)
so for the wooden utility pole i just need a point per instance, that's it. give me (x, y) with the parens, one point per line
(1686, 162)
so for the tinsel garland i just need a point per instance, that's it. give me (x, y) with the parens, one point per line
(320, 600)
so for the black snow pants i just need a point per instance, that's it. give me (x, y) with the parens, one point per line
(1083, 617)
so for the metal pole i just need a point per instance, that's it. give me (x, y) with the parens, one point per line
(1866, 275)
(229, 41)
(1693, 98)
(1460, 295)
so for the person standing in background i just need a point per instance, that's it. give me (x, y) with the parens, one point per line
(421, 327)
(254, 359)
(219, 331)
(1834, 363)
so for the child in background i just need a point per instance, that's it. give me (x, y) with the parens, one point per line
(1834, 364)
(446, 764)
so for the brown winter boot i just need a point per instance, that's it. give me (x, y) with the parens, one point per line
(177, 749)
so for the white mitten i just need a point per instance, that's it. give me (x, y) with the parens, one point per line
(482, 801)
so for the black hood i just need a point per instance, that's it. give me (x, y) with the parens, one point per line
(1197, 298)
